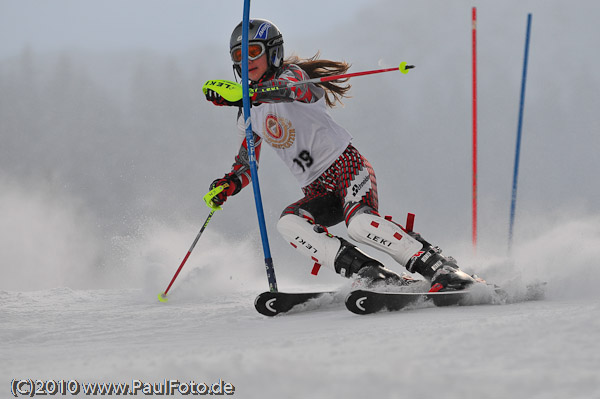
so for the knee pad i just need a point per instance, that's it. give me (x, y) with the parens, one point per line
(311, 240)
(383, 235)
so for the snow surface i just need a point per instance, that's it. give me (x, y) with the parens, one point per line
(544, 349)
(209, 330)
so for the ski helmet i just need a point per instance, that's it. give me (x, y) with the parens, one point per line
(265, 32)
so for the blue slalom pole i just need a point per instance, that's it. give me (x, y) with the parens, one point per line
(251, 153)
(519, 128)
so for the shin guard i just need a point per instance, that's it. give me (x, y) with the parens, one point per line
(311, 240)
(385, 236)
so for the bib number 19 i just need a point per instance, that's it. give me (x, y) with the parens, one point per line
(304, 160)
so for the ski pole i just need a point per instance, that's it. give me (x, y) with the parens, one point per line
(402, 68)
(208, 198)
(231, 91)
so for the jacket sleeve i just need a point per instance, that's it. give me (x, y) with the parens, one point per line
(241, 164)
(276, 89)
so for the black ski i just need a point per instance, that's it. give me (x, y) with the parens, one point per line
(273, 303)
(366, 302)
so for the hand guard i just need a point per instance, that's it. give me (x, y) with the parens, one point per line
(234, 185)
(225, 92)
(217, 99)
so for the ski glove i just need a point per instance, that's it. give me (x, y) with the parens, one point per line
(234, 186)
(217, 99)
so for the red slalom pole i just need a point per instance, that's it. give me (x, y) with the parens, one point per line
(474, 42)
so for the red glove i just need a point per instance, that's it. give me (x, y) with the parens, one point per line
(234, 187)
(217, 99)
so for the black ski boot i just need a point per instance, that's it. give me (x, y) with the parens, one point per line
(350, 261)
(442, 271)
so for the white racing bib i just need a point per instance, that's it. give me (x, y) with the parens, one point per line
(304, 135)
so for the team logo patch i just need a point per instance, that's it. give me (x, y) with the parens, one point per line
(279, 132)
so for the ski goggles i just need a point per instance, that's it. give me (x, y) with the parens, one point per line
(255, 51)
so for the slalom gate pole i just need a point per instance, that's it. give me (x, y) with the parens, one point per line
(402, 68)
(251, 152)
(163, 295)
(519, 129)
(474, 192)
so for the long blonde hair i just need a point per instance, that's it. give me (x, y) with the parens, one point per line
(335, 90)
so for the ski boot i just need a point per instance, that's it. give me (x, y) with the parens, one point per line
(443, 272)
(351, 261)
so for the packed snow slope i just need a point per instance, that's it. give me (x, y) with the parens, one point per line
(545, 349)
(209, 331)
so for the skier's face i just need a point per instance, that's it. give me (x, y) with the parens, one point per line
(257, 67)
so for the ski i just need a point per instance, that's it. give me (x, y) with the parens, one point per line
(366, 302)
(273, 303)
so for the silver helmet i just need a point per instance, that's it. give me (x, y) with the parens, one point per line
(263, 32)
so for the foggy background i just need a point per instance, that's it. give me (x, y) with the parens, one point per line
(108, 145)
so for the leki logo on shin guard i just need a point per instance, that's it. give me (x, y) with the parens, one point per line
(379, 240)
(302, 242)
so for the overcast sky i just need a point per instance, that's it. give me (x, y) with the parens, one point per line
(164, 26)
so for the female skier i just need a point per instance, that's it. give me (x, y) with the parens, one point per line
(337, 181)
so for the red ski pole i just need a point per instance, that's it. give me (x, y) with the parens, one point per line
(474, 68)
(232, 91)
(208, 199)
(402, 68)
